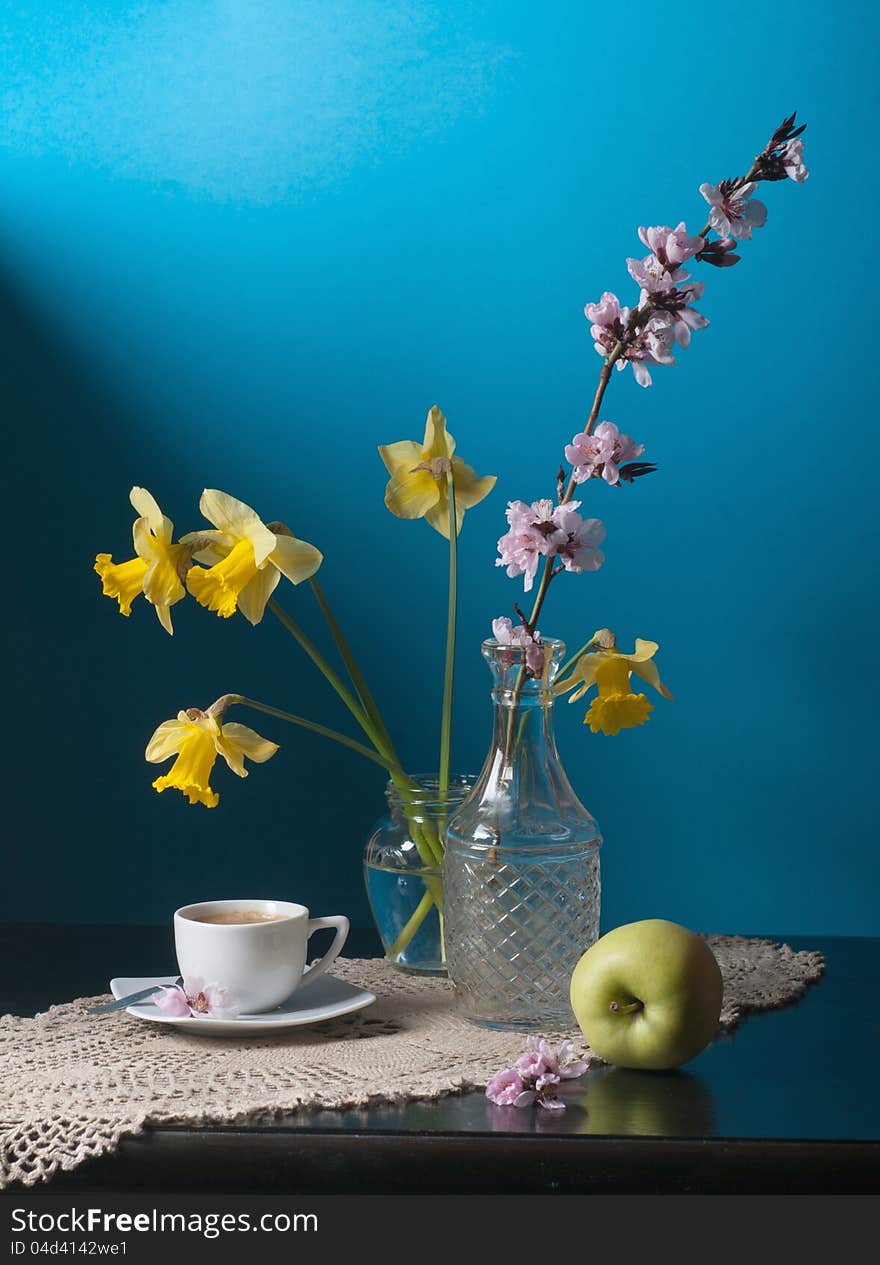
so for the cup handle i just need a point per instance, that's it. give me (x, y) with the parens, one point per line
(318, 968)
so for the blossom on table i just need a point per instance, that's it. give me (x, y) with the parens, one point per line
(247, 558)
(601, 453)
(156, 568)
(535, 1076)
(616, 706)
(196, 738)
(194, 998)
(505, 1088)
(545, 530)
(734, 211)
(419, 483)
(508, 634)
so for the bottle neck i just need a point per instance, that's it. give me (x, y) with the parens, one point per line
(523, 728)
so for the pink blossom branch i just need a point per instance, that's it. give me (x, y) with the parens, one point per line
(781, 158)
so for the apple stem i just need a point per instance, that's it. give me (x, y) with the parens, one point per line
(629, 1009)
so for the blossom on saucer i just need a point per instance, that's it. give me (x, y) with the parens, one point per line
(195, 998)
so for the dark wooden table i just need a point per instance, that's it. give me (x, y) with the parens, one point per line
(787, 1103)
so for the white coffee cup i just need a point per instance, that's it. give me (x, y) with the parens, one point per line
(261, 963)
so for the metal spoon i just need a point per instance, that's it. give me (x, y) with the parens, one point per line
(121, 1002)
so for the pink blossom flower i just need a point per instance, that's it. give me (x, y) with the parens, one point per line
(531, 1064)
(524, 545)
(195, 998)
(605, 312)
(734, 212)
(172, 1002)
(601, 454)
(671, 246)
(792, 159)
(506, 634)
(579, 550)
(535, 1076)
(544, 530)
(607, 322)
(676, 304)
(504, 1087)
(651, 346)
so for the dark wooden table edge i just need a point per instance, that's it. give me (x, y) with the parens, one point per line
(311, 1162)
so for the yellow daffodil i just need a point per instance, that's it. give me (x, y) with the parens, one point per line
(248, 558)
(197, 738)
(418, 487)
(616, 707)
(155, 571)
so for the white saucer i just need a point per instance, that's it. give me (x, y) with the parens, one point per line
(327, 998)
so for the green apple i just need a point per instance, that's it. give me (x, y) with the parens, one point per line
(647, 995)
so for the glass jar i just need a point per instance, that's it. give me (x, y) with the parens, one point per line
(521, 869)
(403, 871)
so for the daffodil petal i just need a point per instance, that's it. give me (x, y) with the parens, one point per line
(295, 559)
(256, 593)
(218, 545)
(583, 676)
(644, 650)
(167, 739)
(438, 517)
(470, 488)
(400, 458)
(163, 614)
(235, 741)
(147, 507)
(412, 495)
(438, 441)
(647, 670)
(237, 520)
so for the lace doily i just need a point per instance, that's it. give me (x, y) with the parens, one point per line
(72, 1085)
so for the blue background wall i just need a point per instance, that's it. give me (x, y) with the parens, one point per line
(241, 244)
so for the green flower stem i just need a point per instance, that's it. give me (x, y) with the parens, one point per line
(449, 673)
(357, 677)
(327, 671)
(430, 850)
(424, 907)
(232, 700)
